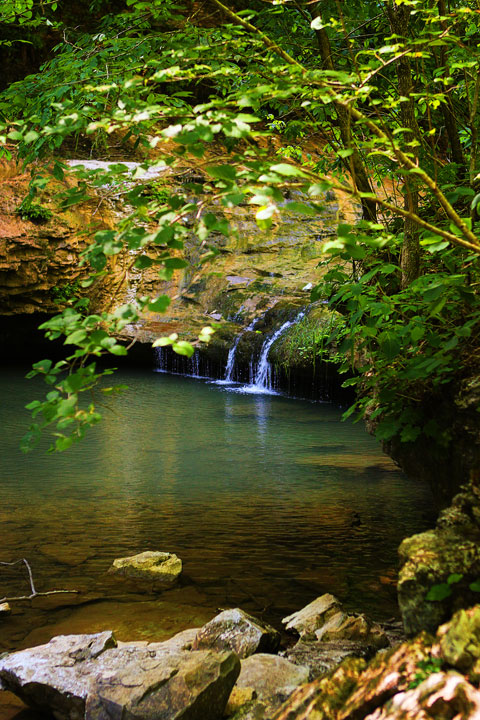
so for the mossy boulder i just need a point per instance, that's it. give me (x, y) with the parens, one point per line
(160, 569)
(437, 567)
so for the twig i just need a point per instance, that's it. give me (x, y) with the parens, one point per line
(34, 593)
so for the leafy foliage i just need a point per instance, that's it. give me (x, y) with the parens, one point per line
(389, 95)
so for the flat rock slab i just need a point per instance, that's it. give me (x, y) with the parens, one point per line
(322, 657)
(162, 569)
(236, 630)
(89, 677)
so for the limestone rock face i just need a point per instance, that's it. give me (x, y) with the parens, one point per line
(162, 569)
(324, 619)
(74, 677)
(236, 630)
(40, 261)
(430, 558)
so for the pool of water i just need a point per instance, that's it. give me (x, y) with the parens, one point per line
(269, 501)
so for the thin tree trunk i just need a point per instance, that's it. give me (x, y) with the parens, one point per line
(357, 168)
(399, 16)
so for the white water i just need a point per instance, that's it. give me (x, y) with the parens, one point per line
(261, 376)
(176, 367)
(228, 379)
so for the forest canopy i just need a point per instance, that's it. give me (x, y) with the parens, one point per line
(386, 91)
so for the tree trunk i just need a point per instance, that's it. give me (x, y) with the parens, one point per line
(398, 16)
(357, 168)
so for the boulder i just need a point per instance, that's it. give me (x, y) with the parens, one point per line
(264, 683)
(430, 561)
(307, 620)
(161, 569)
(77, 677)
(236, 630)
(324, 619)
(459, 642)
(271, 677)
(322, 657)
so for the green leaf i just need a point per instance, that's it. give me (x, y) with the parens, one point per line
(143, 261)
(475, 586)
(223, 172)
(159, 305)
(454, 578)
(287, 170)
(182, 347)
(175, 263)
(75, 337)
(390, 344)
(439, 592)
(30, 137)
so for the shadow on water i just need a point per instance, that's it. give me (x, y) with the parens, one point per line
(269, 501)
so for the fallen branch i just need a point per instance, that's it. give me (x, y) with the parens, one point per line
(34, 592)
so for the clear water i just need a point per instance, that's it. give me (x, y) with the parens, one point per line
(269, 501)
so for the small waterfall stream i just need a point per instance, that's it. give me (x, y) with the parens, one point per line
(176, 364)
(230, 366)
(261, 376)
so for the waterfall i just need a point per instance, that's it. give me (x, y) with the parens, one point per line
(169, 362)
(260, 373)
(261, 376)
(228, 378)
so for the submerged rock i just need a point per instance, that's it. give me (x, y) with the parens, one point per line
(90, 676)
(324, 619)
(160, 568)
(236, 630)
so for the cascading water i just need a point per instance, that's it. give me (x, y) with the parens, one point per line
(169, 362)
(230, 366)
(260, 374)
(261, 382)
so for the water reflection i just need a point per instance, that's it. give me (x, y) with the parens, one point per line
(268, 501)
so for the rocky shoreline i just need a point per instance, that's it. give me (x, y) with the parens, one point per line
(338, 666)
(343, 666)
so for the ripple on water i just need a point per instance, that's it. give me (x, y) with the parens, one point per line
(269, 502)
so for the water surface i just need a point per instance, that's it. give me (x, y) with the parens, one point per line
(269, 501)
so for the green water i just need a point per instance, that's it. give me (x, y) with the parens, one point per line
(269, 501)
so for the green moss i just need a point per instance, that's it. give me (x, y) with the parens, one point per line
(314, 338)
(34, 212)
(62, 294)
